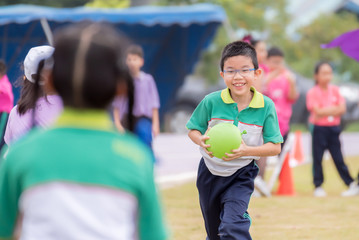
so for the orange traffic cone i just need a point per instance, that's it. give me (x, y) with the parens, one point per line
(286, 184)
(297, 152)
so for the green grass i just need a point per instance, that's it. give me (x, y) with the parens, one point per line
(299, 217)
(352, 127)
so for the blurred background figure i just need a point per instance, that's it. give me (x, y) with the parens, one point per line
(81, 179)
(6, 100)
(146, 100)
(281, 88)
(326, 105)
(261, 49)
(38, 106)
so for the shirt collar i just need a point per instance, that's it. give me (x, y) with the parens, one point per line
(256, 102)
(85, 118)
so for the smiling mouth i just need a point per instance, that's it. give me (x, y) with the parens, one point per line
(239, 84)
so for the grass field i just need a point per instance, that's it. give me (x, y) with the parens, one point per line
(299, 217)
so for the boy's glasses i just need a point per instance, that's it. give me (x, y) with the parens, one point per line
(243, 72)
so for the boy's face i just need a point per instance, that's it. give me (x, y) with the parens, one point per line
(239, 83)
(275, 62)
(134, 63)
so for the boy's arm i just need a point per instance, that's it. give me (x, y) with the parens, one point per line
(199, 139)
(116, 118)
(155, 122)
(293, 93)
(265, 150)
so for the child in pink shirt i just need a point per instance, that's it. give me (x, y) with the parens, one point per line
(326, 105)
(280, 87)
(6, 100)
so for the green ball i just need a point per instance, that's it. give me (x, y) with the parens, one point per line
(224, 137)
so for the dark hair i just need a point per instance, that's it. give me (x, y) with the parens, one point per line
(239, 48)
(319, 65)
(135, 50)
(30, 92)
(89, 62)
(3, 67)
(275, 52)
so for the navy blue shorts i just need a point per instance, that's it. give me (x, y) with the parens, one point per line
(224, 202)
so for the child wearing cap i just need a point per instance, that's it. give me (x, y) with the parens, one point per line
(81, 179)
(6, 100)
(48, 105)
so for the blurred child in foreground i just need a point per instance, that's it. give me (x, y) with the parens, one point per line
(81, 179)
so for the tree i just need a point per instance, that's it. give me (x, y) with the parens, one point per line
(307, 51)
(109, 3)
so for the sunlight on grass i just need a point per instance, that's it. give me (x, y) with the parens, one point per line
(278, 217)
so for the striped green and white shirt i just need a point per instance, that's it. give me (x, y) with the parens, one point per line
(79, 180)
(259, 119)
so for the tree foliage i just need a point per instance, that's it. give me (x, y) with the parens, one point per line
(300, 55)
(109, 3)
(307, 51)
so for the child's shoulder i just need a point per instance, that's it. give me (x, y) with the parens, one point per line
(267, 101)
(147, 76)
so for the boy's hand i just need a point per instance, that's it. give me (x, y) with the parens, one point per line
(236, 153)
(155, 130)
(203, 144)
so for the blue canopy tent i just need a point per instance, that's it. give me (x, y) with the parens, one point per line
(172, 37)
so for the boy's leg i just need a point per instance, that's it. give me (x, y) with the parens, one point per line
(336, 152)
(235, 220)
(209, 200)
(319, 144)
(143, 129)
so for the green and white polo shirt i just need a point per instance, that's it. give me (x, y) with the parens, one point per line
(80, 180)
(259, 119)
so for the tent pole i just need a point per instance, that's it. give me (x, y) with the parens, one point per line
(47, 30)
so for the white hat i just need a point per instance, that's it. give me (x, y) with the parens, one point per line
(34, 57)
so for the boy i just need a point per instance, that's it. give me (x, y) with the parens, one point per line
(146, 99)
(6, 100)
(81, 179)
(225, 185)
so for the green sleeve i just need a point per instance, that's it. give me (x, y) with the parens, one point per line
(271, 132)
(10, 191)
(151, 222)
(200, 117)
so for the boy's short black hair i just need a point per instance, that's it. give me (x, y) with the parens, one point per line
(275, 52)
(239, 48)
(3, 67)
(135, 50)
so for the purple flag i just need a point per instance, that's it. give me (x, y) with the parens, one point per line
(348, 43)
